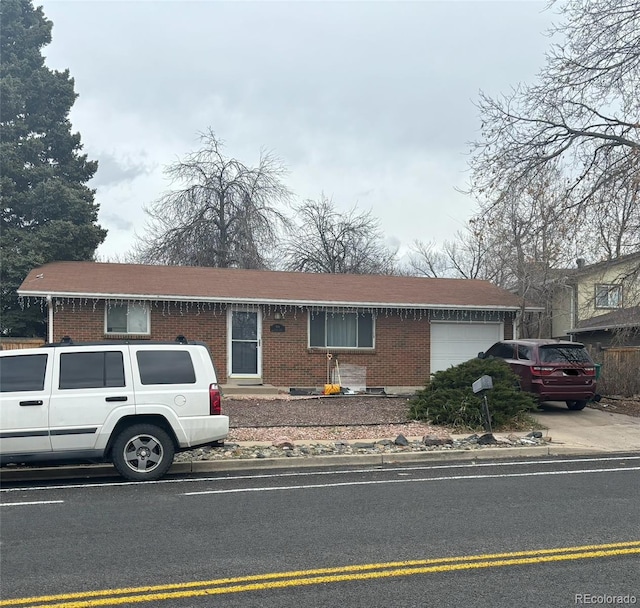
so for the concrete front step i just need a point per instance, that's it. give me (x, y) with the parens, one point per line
(248, 389)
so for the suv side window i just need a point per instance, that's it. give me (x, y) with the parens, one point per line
(501, 351)
(22, 373)
(166, 367)
(91, 370)
(524, 352)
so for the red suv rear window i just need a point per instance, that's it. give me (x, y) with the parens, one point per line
(564, 354)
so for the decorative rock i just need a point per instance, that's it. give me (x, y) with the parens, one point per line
(401, 440)
(428, 443)
(431, 440)
(487, 439)
(535, 434)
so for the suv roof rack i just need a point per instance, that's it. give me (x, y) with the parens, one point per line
(68, 341)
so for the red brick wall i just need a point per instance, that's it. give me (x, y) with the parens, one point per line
(508, 327)
(400, 358)
(83, 322)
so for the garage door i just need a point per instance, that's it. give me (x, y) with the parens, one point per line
(453, 343)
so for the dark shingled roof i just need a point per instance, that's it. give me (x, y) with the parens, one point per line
(230, 285)
(617, 319)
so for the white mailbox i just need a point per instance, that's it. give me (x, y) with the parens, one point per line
(484, 383)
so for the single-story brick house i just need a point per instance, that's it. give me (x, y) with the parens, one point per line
(278, 328)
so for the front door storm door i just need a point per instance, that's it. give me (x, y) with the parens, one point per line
(245, 343)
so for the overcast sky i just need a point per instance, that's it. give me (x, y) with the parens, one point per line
(371, 103)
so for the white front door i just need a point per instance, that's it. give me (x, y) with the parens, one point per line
(245, 352)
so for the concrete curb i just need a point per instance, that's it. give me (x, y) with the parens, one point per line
(337, 460)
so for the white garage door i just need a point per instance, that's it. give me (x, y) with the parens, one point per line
(453, 343)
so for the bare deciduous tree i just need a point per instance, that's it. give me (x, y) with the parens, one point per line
(583, 113)
(427, 260)
(518, 243)
(556, 169)
(325, 240)
(221, 212)
(612, 223)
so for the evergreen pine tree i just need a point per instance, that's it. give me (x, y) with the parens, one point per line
(47, 211)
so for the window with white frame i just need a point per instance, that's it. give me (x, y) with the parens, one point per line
(127, 318)
(608, 296)
(341, 330)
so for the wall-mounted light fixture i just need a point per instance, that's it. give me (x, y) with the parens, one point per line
(277, 316)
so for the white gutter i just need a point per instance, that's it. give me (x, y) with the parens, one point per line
(268, 302)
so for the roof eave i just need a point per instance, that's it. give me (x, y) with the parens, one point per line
(582, 330)
(266, 301)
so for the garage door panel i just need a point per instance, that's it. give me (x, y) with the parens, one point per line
(454, 343)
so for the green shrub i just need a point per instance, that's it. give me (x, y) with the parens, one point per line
(449, 399)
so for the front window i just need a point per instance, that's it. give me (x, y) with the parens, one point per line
(128, 318)
(341, 330)
(608, 296)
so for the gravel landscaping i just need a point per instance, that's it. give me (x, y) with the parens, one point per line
(345, 417)
(286, 426)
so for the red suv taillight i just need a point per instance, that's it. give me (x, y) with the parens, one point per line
(539, 370)
(215, 400)
(589, 371)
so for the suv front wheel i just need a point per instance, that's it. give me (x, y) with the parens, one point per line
(142, 452)
(576, 405)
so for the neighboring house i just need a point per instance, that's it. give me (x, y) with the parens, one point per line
(598, 303)
(617, 328)
(278, 328)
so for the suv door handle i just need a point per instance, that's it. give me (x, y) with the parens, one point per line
(115, 398)
(36, 402)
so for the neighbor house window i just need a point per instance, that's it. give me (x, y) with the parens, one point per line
(341, 330)
(608, 296)
(129, 318)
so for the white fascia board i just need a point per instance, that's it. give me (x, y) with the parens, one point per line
(612, 327)
(268, 302)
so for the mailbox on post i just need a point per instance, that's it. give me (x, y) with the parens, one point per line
(482, 385)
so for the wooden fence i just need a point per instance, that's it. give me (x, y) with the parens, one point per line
(620, 371)
(622, 356)
(11, 343)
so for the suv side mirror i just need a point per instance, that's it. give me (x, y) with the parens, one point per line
(481, 355)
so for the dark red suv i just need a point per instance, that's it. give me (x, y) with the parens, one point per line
(553, 370)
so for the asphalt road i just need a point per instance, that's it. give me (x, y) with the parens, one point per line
(527, 533)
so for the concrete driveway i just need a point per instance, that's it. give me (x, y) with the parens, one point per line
(592, 429)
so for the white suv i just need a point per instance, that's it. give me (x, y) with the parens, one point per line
(132, 403)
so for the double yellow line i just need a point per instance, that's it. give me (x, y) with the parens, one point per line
(298, 578)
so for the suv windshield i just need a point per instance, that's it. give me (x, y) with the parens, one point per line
(564, 354)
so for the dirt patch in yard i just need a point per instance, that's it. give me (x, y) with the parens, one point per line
(345, 417)
(629, 406)
(315, 411)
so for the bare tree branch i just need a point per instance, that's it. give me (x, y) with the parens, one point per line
(584, 106)
(324, 240)
(220, 213)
